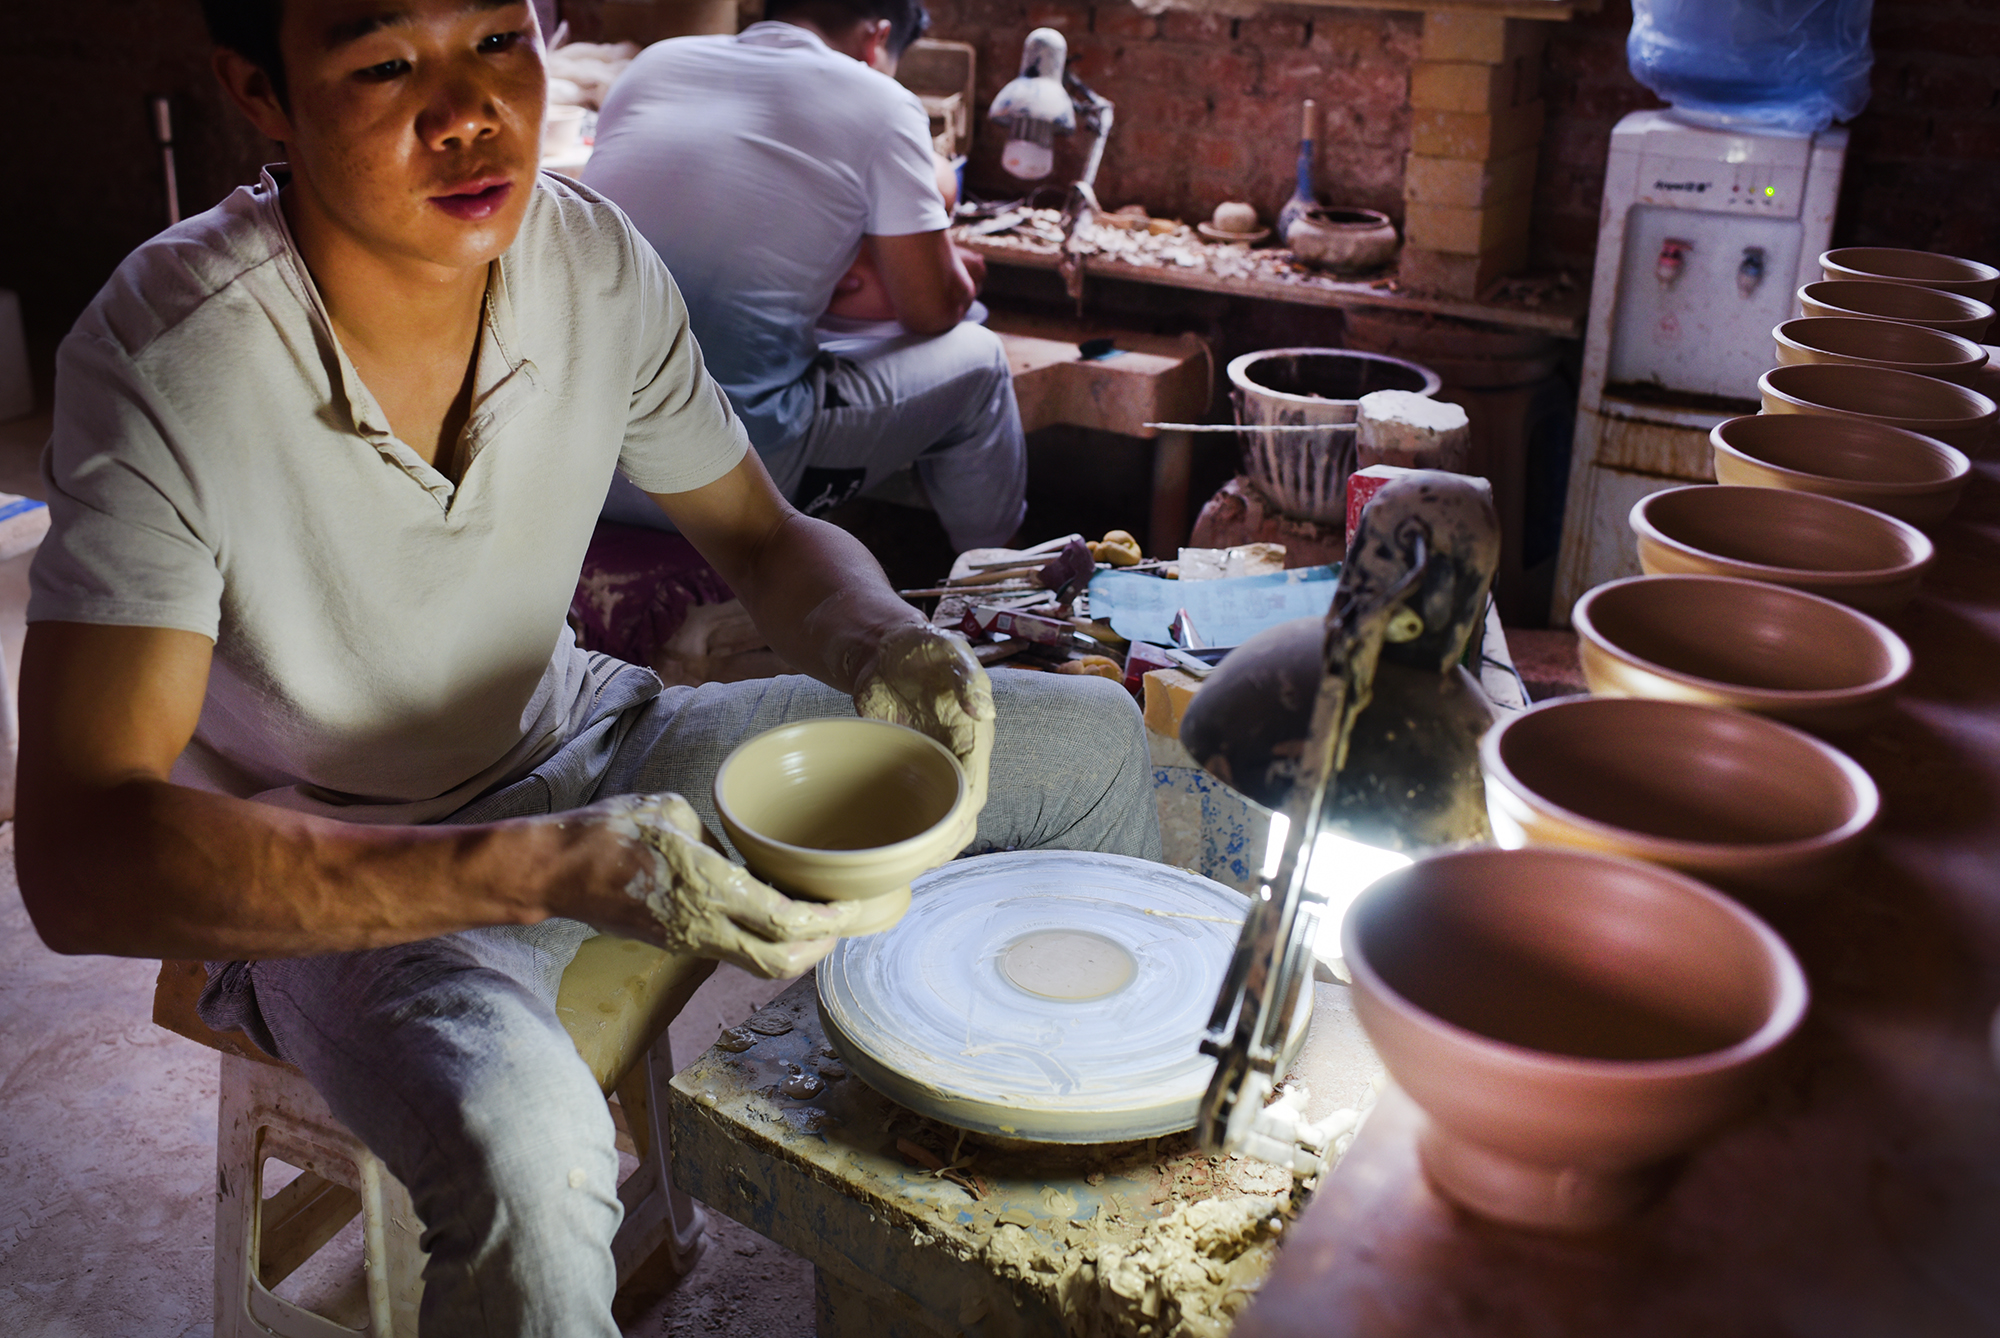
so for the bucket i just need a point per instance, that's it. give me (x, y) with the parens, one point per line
(1305, 473)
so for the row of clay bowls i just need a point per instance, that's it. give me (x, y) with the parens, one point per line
(1573, 1009)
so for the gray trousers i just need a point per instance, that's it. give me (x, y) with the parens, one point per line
(945, 402)
(446, 1057)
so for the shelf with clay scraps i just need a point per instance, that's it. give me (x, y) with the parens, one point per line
(1271, 275)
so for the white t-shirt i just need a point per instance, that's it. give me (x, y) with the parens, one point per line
(755, 164)
(388, 645)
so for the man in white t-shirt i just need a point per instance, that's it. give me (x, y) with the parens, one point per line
(298, 697)
(760, 166)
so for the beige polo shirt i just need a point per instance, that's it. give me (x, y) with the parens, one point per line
(388, 645)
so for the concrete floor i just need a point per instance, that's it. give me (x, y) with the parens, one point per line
(107, 1127)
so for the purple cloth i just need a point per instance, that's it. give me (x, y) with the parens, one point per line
(636, 588)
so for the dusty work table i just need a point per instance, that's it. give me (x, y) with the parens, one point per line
(1864, 1198)
(1008, 1241)
(1262, 275)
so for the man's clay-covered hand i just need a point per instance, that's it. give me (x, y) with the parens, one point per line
(927, 678)
(707, 905)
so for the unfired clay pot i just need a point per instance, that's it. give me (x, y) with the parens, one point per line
(1898, 302)
(1347, 241)
(1923, 269)
(1719, 641)
(1732, 798)
(1957, 415)
(1566, 1021)
(1899, 346)
(1899, 473)
(1823, 546)
(845, 809)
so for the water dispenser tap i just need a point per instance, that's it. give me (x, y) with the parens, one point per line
(1672, 261)
(1750, 273)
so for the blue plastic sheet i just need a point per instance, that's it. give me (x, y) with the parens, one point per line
(1225, 612)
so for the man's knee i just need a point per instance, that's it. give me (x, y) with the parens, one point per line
(981, 352)
(520, 1177)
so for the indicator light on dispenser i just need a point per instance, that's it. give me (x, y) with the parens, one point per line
(1770, 192)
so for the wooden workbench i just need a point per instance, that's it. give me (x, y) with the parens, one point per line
(1017, 1244)
(1863, 1198)
(1559, 313)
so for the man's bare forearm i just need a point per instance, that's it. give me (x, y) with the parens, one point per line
(822, 599)
(147, 868)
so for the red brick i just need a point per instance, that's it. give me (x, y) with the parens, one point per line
(1274, 30)
(1220, 153)
(1125, 22)
(1178, 26)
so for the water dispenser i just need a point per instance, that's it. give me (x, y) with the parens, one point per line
(1706, 236)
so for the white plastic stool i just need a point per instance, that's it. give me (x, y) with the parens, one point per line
(23, 523)
(616, 997)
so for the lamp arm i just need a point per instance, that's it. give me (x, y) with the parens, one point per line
(1267, 975)
(1094, 115)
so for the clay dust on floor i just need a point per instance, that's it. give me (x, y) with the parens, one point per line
(107, 1162)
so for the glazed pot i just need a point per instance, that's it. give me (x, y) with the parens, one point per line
(1720, 641)
(1898, 346)
(1821, 545)
(1735, 799)
(1956, 415)
(1566, 1021)
(1888, 469)
(1923, 269)
(1347, 241)
(844, 809)
(1898, 302)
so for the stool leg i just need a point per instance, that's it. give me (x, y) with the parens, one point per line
(266, 1111)
(236, 1199)
(392, 1233)
(660, 1218)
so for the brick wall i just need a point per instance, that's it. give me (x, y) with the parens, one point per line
(84, 179)
(1207, 107)
(1923, 167)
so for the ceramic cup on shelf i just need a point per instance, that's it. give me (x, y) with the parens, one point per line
(1928, 307)
(1956, 415)
(1900, 473)
(1746, 645)
(1923, 269)
(1821, 545)
(1566, 1021)
(1861, 342)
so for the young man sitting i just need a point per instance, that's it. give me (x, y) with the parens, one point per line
(760, 166)
(298, 697)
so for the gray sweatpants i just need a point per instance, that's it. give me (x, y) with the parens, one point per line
(446, 1058)
(944, 401)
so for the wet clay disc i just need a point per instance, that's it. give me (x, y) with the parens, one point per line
(1051, 995)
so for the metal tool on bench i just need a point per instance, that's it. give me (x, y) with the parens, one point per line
(1279, 721)
(1045, 100)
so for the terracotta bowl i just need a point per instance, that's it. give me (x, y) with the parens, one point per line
(1823, 546)
(1732, 798)
(1566, 1021)
(1868, 343)
(1902, 474)
(1898, 302)
(845, 809)
(1720, 641)
(1924, 269)
(1956, 415)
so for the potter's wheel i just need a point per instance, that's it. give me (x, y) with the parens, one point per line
(1047, 995)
